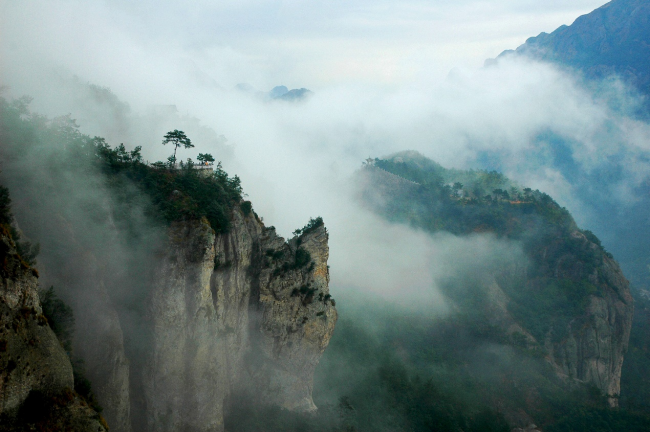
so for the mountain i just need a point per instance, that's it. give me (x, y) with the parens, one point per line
(562, 307)
(187, 308)
(276, 93)
(612, 40)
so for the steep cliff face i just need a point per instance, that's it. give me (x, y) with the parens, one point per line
(36, 378)
(74, 270)
(230, 314)
(595, 347)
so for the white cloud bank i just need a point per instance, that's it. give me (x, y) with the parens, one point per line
(373, 66)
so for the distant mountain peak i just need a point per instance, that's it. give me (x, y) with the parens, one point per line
(280, 92)
(611, 40)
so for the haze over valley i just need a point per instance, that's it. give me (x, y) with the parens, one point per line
(403, 216)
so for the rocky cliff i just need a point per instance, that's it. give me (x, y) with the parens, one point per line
(242, 312)
(588, 344)
(597, 340)
(215, 319)
(36, 376)
(561, 297)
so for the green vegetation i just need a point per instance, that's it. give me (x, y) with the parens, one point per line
(5, 206)
(312, 225)
(246, 207)
(178, 194)
(206, 158)
(554, 289)
(177, 139)
(600, 420)
(172, 194)
(60, 317)
(469, 361)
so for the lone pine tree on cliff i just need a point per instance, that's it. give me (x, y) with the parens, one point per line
(177, 139)
(205, 159)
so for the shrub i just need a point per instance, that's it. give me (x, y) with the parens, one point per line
(312, 225)
(5, 206)
(60, 317)
(246, 207)
(303, 257)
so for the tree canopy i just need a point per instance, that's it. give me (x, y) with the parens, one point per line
(177, 138)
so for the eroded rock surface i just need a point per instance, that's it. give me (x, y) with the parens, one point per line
(36, 378)
(242, 312)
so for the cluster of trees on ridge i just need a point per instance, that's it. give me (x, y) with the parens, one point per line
(174, 194)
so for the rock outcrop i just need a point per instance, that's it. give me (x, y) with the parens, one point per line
(596, 341)
(214, 319)
(232, 313)
(36, 377)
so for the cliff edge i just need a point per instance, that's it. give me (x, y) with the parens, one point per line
(36, 377)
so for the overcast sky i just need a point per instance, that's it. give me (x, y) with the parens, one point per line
(268, 42)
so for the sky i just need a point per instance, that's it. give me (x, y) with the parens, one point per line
(266, 43)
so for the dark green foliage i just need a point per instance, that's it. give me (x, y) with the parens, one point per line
(177, 139)
(177, 194)
(385, 371)
(401, 370)
(27, 251)
(554, 289)
(83, 387)
(550, 304)
(635, 380)
(5, 206)
(206, 158)
(60, 317)
(303, 257)
(275, 254)
(312, 225)
(586, 419)
(173, 194)
(246, 207)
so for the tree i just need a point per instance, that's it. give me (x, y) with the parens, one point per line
(178, 139)
(457, 188)
(205, 158)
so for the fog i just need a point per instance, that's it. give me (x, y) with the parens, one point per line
(131, 73)
(385, 77)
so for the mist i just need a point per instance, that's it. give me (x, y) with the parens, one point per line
(385, 78)
(124, 81)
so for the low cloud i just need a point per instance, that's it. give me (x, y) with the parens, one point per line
(296, 160)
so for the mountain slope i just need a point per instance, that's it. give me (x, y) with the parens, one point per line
(612, 40)
(566, 300)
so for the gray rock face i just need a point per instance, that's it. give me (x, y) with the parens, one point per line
(597, 341)
(32, 360)
(234, 313)
(211, 318)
